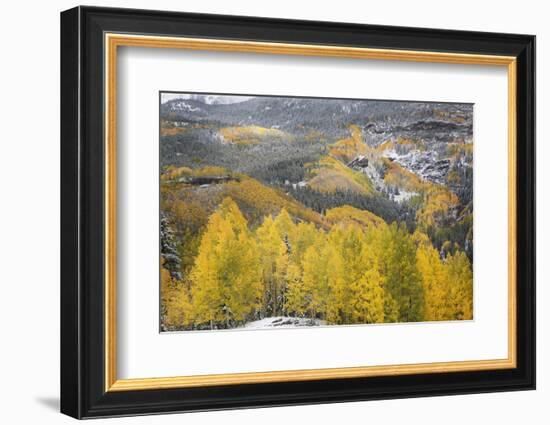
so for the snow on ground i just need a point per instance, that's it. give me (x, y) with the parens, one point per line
(283, 322)
(403, 196)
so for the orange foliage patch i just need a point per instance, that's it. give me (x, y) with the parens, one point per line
(173, 173)
(402, 178)
(348, 215)
(257, 200)
(172, 131)
(331, 175)
(438, 203)
(193, 204)
(251, 135)
(387, 145)
(349, 148)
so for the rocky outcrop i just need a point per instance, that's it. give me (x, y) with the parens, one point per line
(204, 180)
(359, 162)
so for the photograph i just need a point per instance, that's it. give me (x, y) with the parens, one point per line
(286, 212)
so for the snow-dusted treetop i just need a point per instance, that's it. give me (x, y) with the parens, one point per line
(209, 99)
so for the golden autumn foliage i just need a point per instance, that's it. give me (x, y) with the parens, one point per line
(405, 297)
(273, 254)
(459, 273)
(434, 282)
(353, 216)
(438, 203)
(447, 283)
(330, 175)
(172, 131)
(172, 173)
(401, 141)
(399, 177)
(226, 274)
(259, 200)
(361, 270)
(437, 200)
(300, 223)
(255, 200)
(349, 148)
(458, 148)
(251, 135)
(358, 291)
(175, 300)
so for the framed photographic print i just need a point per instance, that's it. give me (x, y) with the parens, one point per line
(261, 212)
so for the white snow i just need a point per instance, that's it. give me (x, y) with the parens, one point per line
(182, 106)
(283, 322)
(404, 196)
(209, 99)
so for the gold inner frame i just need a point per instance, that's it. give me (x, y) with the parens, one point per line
(113, 41)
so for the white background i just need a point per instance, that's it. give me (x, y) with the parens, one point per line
(29, 225)
(191, 353)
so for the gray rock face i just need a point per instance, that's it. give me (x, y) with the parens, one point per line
(428, 165)
(359, 162)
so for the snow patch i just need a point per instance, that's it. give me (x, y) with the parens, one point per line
(403, 196)
(284, 322)
(183, 106)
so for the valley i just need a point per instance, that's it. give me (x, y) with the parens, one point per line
(306, 209)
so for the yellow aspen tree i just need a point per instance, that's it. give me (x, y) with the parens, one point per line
(293, 279)
(282, 277)
(460, 280)
(328, 299)
(287, 233)
(244, 286)
(305, 235)
(347, 241)
(207, 292)
(166, 286)
(176, 308)
(433, 283)
(270, 248)
(314, 277)
(357, 288)
(368, 298)
(297, 297)
(240, 273)
(322, 276)
(285, 226)
(352, 249)
(225, 277)
(403, 283)
(367, 288)
(379, 242)
(299, 294)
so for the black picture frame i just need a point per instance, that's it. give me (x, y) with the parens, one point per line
(83, 392)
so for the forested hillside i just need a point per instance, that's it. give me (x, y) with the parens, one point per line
(298, 211)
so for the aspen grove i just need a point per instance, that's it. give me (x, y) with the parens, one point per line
(351, 273)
